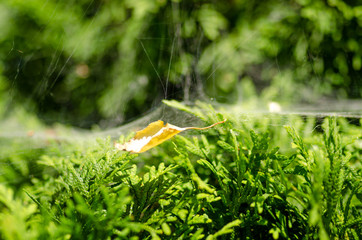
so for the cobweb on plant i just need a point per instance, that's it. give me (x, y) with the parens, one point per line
(350, 109)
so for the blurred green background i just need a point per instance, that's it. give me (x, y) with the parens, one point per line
(104, 62)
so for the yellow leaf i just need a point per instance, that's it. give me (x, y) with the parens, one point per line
(154, 134)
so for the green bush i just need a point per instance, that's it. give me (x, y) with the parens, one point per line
(80, 62)
(239, 180)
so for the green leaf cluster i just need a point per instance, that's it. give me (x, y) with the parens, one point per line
(250, 178)
(80, 62)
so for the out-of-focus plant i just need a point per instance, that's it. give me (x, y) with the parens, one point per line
(301, 49)
(83, 61)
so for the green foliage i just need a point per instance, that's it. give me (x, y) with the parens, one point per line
(82, 61)
(249, 178)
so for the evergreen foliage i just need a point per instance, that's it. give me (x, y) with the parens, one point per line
(240, 180)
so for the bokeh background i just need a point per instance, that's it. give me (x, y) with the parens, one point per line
(104, 62)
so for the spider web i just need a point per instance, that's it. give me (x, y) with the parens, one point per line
(350, 109)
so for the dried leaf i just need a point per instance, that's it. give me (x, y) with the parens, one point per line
(154, 134)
